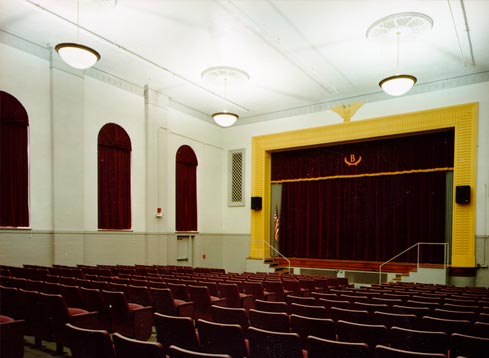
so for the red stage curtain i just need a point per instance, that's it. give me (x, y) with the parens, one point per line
(367, 218)
(365, 201)
(417, 152)
(114, 178)
(186, 189)
(14, 163)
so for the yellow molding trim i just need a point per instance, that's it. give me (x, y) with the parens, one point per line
(463, 118)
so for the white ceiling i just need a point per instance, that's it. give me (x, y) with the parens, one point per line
(299, 54)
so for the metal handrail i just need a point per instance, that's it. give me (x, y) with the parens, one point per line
(278, 252)
(418, 244)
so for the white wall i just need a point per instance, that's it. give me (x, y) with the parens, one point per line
(67, 109)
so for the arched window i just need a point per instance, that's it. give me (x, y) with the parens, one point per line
(114, 178)
(186, 189)
(14, 163)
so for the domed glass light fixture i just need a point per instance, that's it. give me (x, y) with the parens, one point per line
(225, 119)
(74, 54)
(224, 73)
(77, 55)
(405, 24)
(397, 85)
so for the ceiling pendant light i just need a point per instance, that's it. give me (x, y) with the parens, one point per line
(397, 85)
(225, 119)
(77, 55)
(405, 24)
(224, 73)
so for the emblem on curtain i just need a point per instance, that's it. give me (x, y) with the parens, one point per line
(352, 160)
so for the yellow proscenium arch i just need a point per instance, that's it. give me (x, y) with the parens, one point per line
(463, 118)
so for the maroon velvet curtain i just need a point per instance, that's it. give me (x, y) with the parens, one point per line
(186, 190)
(367, 218)
(365, 201)
(114, 178)
(14, 162)
(416, 152)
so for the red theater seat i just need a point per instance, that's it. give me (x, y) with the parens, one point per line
(129, 319)
(55, 314)
(268, 344)
(163, 302)
(388, 352)
(222, 338)
(126, 347)
(89, 343)
(320, 347)
(11, 337)
(203, 301)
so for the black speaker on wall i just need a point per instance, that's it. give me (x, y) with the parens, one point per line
(256, 203)
(462, 194)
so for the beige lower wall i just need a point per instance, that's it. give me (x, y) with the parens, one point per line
(24, 246)
(235, 252)
(18, 247)
(482, 255)
(228, 251)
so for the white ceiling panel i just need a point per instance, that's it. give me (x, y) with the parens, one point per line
(297, 53)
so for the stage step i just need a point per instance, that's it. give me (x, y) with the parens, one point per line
(276, 266)
(373, 266)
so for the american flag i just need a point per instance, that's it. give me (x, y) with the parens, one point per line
(276, 225)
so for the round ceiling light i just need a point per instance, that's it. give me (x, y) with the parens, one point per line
(397, 85)
(223, 75)
(76, 55)
(406, 24)
(225, 119)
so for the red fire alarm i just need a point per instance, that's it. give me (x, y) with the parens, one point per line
(159, 213)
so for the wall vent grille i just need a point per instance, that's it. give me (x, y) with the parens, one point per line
(236, 177)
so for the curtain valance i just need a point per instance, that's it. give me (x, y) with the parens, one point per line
(402, 154)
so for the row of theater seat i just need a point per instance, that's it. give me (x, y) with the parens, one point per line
(178, 337)
(289, 285)
(261, 280)
(11, 337)
(46, 314)
(39, 272)
(279, 289)
(149, 271)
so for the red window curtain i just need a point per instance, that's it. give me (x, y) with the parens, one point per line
(114, 178)
(186, 189)
(14, 162)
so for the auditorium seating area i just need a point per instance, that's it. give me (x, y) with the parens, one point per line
(155, 309)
